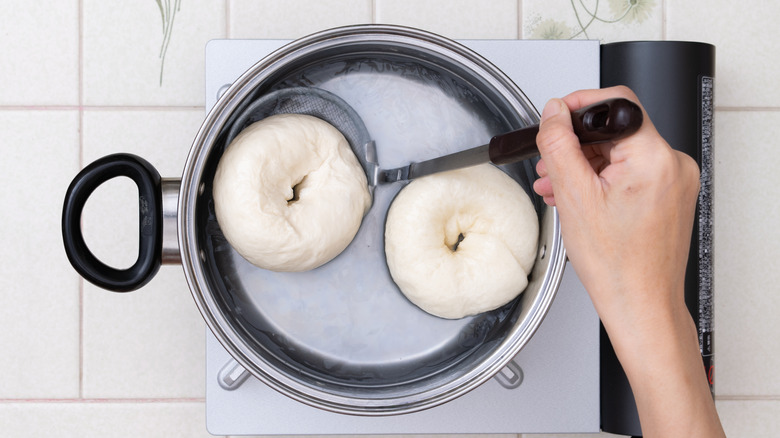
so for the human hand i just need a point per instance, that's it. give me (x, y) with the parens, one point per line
(626, 210)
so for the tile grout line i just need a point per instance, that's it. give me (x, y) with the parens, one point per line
(227, 19)
(663, 19)
(139, 400)
(519, 19)
(747, 108)
(103, 108)
(81, 165)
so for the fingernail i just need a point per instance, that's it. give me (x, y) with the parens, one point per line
(552, 108)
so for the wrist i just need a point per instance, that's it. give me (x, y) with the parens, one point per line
(648, 321)
(659, 352)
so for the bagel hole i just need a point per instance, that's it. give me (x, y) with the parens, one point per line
(296, 191)
(460, 239)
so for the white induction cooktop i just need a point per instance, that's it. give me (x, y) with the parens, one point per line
(551, 386)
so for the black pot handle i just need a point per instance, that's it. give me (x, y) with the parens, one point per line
(91, 177)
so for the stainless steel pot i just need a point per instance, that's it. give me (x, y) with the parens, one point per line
(341, 337)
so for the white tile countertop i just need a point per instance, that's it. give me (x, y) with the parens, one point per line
(85, 78)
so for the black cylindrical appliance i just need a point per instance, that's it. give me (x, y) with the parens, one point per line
(674, 82)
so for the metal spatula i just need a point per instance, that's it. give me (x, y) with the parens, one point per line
(607, 120)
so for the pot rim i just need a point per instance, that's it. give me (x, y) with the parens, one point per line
(192, 257)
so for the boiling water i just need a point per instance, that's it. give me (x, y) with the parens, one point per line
(346, 321)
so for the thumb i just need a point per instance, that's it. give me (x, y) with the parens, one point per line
(564, 162)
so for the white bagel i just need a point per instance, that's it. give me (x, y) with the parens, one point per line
(289, 194)
(462, 242)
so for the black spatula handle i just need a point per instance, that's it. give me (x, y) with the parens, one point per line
(608, 120)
